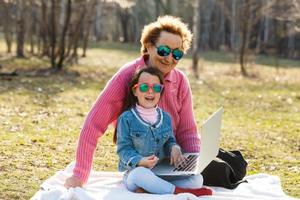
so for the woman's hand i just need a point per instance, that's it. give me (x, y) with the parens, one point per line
(148, 162)
(176, 156)
(73, 181)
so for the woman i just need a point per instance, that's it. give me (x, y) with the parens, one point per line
(163, 44)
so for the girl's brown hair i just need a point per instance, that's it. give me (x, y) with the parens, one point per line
(131, 99)
(171, 24)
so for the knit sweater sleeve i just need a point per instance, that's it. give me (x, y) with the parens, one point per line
(105, 110)
(187, 136)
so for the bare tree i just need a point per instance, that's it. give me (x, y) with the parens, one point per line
(52, 34)
(287, 12)
(20, 28)
(245, 29)
(124, 17)
(7, 19)
(233, 22)
(44, 30)
(97, 23)
(221, 34)
(196, 34)
(166, 6)
(77, 25)
(32, 24)
(63, 35)
(207, 12)
(249, 14)
(88, 25)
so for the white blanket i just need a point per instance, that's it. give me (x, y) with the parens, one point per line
(108, 186)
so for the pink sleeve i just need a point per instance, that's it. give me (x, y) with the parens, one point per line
(105, 110)
(186, 135)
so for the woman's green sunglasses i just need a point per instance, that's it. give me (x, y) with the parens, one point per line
(164, 50)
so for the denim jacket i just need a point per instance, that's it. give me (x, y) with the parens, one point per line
(137, 138)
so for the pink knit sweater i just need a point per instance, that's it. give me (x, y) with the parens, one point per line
(176, 100)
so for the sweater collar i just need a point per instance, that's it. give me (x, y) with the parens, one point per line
(146, 111)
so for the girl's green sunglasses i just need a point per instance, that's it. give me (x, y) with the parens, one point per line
(144, 87)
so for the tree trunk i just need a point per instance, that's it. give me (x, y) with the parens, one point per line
(32, 26)
(157, 8)
(245, 12)
(39, 43)
(124, 17)
(169, 7)
(88, 26)
(20, 28)
(31, 41)
(97, 24)
(76, 37)
(233, 26)
(207, 14)
(222, 32)
(53, 34)
(258, 37)
(7, 23)
(277, 38)
(243, 51)
(196, 31)
(63, 34)
(266, 24)
(44, 33)
(135, 29)
(291, 40)
(62, 16)
(8, 40)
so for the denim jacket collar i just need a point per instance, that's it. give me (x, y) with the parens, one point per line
(142, 121)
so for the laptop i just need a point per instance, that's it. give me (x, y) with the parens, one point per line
(196, 162)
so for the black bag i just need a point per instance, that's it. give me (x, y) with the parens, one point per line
(227, 170)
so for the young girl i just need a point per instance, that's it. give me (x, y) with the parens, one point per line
(145, 135)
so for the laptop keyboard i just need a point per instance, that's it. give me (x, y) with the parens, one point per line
(190, 164)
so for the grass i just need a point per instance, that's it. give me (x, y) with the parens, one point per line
(41, 117)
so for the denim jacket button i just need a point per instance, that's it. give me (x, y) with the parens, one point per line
(157, 140)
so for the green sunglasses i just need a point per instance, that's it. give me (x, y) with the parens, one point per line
(164, 50)
(144, 87)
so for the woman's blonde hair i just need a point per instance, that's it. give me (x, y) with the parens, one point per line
(166, 23)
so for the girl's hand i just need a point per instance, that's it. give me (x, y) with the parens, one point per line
(176, 156)
(73, 181)
(148, 162)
